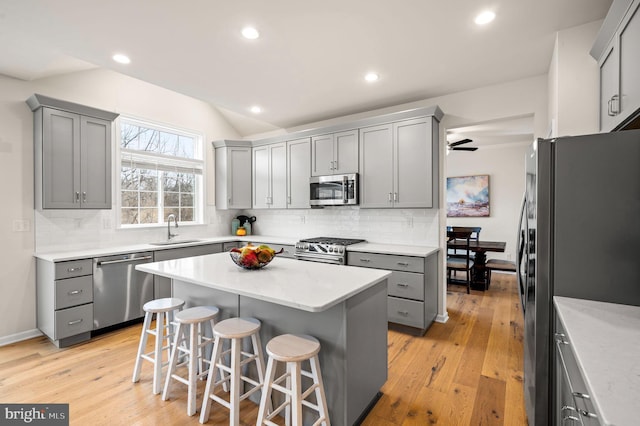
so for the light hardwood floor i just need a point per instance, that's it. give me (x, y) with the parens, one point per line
(465, 372)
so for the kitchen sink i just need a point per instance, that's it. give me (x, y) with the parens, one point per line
(172, 242)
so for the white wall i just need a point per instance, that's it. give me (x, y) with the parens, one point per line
(574, 82)
(97, 88)
(505, 166)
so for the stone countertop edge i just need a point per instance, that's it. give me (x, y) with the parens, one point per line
(284, 281)
(60, 256)
(605, 338)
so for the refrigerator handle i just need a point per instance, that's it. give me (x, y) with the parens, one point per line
(520, 252)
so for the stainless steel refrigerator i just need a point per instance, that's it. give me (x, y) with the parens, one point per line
(579, 237)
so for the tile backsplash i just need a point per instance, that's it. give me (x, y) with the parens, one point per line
(58, 230)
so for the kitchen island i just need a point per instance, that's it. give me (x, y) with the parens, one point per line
(344, 307)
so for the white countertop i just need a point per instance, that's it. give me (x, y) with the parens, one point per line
(402, 250)
(85, 253)
(606, 341)
(309, 286)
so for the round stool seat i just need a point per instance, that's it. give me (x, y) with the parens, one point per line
(236, 328)
(292, 347)
(163, 305)
(197, 314)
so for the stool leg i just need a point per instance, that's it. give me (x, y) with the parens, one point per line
(211, 379)
(157, 354)
(321, 398)
(171, 329)
(266, 391)
(193, 369)
(236, 348)
(143, 343)
(287, 396)
(257, 349)
(172, 362)
(296, 393)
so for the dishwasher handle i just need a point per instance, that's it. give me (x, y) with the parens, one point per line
(127, 260)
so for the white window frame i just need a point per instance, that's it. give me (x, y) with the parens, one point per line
(197, 165)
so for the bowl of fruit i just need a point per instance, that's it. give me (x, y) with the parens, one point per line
(253, 257)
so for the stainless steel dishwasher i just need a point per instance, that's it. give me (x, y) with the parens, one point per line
(119, 291)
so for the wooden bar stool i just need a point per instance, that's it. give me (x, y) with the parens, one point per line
(164, 309)
(234, 330)
(192, 345)
(293, 350)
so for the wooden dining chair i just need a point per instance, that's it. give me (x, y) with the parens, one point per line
(475, 236)
(457, 263)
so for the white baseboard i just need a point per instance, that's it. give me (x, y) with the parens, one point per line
(18, 337)
(442, 318)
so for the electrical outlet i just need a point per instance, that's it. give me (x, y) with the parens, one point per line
(21, 225)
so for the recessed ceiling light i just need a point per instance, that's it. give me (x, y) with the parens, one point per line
(250, 33)
(256, 109)
(371, 77)
(485, 17)
(121, 59)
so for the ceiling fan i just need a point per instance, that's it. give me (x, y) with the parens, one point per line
(454, 146)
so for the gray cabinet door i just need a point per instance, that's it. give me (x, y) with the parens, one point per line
(95, 164)
(609, 103)
(345, 152)
(278, 176)
(298, 173)
(60, 159)
(376, 166)
(413, 154)
(322, 155)
(238, 177)
(261, 177)
(630, 64)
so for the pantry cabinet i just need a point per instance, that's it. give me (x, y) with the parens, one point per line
(617, 50)
(72, 155)
(233, 174)
(398, 164)
(334, 153)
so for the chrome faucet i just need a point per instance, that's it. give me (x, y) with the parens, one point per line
(175, 221)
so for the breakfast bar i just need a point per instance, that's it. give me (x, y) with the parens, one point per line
(344, 307)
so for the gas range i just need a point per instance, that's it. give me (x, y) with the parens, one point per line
(324, 249)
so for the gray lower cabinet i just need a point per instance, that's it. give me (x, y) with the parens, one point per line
(64, 299)
(412, 293)
(162, 285)
(72, 155)
(572, 403)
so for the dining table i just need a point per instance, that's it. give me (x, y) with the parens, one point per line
(480, 249)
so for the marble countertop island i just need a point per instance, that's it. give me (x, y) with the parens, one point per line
(309, 286)
(606, 342)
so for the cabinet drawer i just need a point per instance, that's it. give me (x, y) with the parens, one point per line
(72, 321)
(407, 312)
(386, 261)
(74, 291)
(73, 268)
(406, 284)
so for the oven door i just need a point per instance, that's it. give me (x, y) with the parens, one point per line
(335, 190)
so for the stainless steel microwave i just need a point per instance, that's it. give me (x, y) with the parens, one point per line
(334, 190)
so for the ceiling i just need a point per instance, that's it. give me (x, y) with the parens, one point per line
(308, 65)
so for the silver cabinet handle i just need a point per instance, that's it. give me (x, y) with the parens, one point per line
(390, 197)
(395, 196)
(615, 104)
(609, 111)
(74, 292)
(79, 268)
(84, 197)
(335, 165)
(403, 263)
(571, 418)
(78, 321)
(404, 313)
(77, 196)
(362, 259)
(581, 395)
(585, 413)
(403, 285)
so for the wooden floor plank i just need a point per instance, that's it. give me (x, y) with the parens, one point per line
(446, 377)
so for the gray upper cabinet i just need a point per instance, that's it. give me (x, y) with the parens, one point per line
(270, 176)
(335, 153)
(233, 174)
(298, 173)
(398, 164)
(618, 54)
(72, 155)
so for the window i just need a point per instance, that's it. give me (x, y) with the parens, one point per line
(160, 174)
